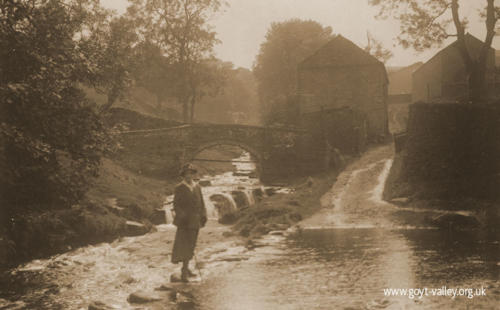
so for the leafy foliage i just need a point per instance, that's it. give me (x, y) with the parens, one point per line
(111, 46)
(180, 29)
(425, 24)
(154, 72)
(375, 48)
(51, 136)
(236, 103)
(286, 45)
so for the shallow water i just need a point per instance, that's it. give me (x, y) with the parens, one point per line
(347, 254)
(109, 272)
(350, 268)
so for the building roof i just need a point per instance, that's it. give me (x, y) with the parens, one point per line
(339, 52)
(470, 41)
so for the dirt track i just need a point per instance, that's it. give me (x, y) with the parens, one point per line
(355, 199)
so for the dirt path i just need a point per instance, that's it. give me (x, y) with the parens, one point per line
(355, 200)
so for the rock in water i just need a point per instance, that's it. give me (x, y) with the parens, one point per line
(240, 198)
(136, 228)
(455, 221)
(225, 208)
(141, 297)
(205, 183)
(158, 217)
(228, 218)
(257, 193)
(97, 305)
(165, 287)
(270, 191)
(185, 300)
(276, 233)
(175, 279)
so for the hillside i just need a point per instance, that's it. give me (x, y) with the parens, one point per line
(120, 202)
(235, 102)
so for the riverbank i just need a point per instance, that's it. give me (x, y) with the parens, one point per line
(119, 203)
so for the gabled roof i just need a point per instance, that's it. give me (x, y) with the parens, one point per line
(339, 52)
(470, 41)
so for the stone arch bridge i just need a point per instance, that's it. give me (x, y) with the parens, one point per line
(280, 152)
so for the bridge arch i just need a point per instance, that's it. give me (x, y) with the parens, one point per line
(191, 154)
(207, 145)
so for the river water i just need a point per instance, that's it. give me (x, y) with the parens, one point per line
(350, 268)
(342, 258)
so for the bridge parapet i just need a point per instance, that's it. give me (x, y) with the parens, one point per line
(280, 151)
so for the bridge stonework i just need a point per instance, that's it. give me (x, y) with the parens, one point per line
(279, 152)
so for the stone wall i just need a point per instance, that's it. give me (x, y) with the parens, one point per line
(345, 129)
(362, 88)
(452, 151)
(280, 152)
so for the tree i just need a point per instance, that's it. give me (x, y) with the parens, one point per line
(208, 78)
(180, 28)
(111, 44)
(374, 47)
(51, 136)
(153, 71)
(424, 25)
(286, 45)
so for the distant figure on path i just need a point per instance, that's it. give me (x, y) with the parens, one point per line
(190, 216)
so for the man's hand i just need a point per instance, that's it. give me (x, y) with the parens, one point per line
(203, 221)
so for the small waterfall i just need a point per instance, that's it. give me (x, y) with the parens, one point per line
(212, 212)
(168, 206)
(250, 197)
(226, 193)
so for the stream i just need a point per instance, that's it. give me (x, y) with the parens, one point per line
(347, 256)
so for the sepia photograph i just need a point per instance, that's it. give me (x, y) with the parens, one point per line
(249, 154)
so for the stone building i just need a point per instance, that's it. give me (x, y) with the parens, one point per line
(443, 77)
(341, 76)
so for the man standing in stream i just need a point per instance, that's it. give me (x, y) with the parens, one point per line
(190, 216)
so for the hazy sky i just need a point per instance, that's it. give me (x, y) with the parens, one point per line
(243, 24)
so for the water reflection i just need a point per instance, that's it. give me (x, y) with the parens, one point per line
(350, 268)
